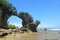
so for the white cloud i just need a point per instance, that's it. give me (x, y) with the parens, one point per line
(55, 29)
(18, 24)
(45, 25)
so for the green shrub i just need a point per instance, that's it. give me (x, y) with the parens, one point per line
(11, 26)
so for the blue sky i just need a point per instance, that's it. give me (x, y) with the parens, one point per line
(46, 11)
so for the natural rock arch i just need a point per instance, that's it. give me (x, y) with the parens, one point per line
(15, 17)
(4, 18)
(14, 20)
(26, 20)
(6, 10)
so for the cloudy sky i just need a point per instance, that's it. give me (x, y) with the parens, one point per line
(46, 11)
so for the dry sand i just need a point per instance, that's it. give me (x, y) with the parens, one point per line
(42, 35)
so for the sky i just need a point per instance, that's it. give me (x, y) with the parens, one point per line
(46, 11)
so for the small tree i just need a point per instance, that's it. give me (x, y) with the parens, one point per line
(10, 26)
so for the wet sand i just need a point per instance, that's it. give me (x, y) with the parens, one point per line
(42, 35)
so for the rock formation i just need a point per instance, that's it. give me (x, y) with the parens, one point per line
(33, 26)
(27, 20)
(6, 10)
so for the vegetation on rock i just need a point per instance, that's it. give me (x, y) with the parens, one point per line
(28, 20)
(7, 9)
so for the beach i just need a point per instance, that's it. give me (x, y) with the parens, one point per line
(41, 35)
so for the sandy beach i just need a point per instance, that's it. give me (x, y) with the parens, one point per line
(41, 35)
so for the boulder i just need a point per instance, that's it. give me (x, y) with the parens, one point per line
(2, 34)
(23, 29)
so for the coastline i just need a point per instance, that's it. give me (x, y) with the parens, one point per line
(41, 35)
